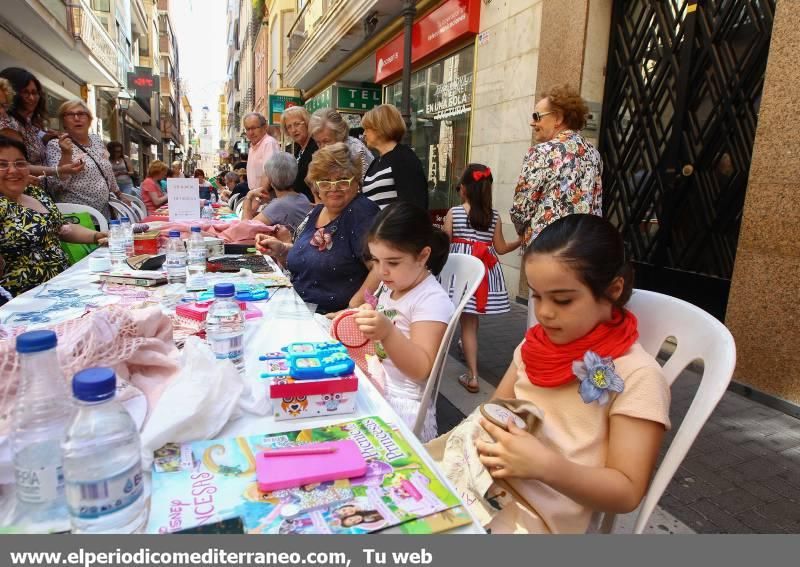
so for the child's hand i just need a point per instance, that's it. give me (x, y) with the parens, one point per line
(515, 453)
(374, 325)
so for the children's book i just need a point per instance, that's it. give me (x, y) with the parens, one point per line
(209, 481)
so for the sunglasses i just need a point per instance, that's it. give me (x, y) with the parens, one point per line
(537, 116)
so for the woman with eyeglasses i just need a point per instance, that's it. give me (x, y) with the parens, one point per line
(562, 173)
(329, 127)
(288, 207)
(295, 121)
(26, 120)
(31, 225)
(326, 259)
(96, 183)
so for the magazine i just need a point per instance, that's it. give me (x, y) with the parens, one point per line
(209, 481)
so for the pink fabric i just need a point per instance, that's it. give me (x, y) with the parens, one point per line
(137, 343)
(233, 232)
(258, 155)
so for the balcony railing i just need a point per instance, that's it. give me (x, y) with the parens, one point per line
(85, 26)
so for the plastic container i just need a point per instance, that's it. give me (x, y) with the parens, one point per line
(196, 252)
(146, 242)
(40, 416)
(127, 230)
(102, 459)
(117, 242)
(176, 258)
(225, 326)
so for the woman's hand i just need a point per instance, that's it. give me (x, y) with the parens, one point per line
(70, 168)
(271, 246)
(65, 143)
(259, 196)
(283, 233)
(373, 324)
(101, 238)
(515, 453)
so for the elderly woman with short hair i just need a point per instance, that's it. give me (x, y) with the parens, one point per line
(94, 185)
(328, 127)
(288, 207)
(295, 120)
(326, 259)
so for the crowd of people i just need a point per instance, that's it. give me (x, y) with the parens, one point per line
(353, 230)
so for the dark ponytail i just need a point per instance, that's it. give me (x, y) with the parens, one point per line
(593, 248)
(479, 195)
(407, 227)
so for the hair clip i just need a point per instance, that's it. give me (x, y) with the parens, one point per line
(478, 175)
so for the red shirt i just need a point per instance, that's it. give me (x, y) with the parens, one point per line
(150, 186)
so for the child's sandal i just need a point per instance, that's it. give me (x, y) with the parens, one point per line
(469, 383)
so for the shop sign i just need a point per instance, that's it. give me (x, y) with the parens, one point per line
(451, 98)
(357, 98)
(322, 100)
(452, 20)
(279, 103)
(143, 81)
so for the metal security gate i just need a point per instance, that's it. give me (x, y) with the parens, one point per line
(683, 88)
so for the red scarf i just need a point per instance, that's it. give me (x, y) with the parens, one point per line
(550, 365)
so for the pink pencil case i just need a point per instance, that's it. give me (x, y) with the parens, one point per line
(277, 472)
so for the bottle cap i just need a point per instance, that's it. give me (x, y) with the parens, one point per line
(224, 290)
(114, 222)
(174, 233)
(195, 229)
(36, 341)
(124, 218)
(94, 384)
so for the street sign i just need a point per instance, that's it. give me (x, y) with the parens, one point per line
(279, 103)
(357, 98)
(322, 100)
(143, 81)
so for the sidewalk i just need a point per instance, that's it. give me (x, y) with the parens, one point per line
(741, 476)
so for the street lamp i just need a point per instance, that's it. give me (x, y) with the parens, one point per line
(124, 99)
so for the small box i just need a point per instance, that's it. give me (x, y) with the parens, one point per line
(146, 242)
(296, 399)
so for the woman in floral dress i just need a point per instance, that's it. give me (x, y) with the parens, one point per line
(562, 173)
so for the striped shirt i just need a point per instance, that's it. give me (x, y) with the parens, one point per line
(397, 176)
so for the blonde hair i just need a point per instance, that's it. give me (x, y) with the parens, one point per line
(329, 118)
(157, 167)
(335, 157)
(8, 90)
(387, 121)
(65, 107)
(304, 115)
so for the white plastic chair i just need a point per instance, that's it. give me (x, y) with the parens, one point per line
(234, 200)
(138, 207)
(699, 336)
(96, 215)
(461, 276)
(239, 208)
(120, 209)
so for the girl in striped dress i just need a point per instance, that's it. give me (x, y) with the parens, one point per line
(475, 228)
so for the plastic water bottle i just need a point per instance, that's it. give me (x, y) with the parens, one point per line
(176, 258)
(127, 228)
(116, 245)
(40, 417)
(213, 198)
(102, 459)
(207, 212)
(196, 261)
(225, 326)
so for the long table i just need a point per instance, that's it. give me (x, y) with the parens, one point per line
(285, 318)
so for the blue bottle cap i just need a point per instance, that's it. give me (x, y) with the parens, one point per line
(174, 233)
(224, 290)
(195, 229)
(94, 384)
(124, 218)
(114, 222)
(36, 341)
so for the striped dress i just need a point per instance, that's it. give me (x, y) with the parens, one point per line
(498, 294)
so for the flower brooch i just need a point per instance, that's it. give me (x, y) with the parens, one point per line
(597, 376)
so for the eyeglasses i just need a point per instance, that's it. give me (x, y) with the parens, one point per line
(537, 116)
(19, 164)
(76, 114)
(330, 186)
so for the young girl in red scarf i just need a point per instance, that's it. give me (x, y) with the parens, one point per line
(604, 400)
(474, 228)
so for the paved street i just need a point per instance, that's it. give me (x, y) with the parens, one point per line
(741, 476)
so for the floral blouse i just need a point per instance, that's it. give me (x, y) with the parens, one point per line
(559, 177)
(92, 186)
(29, 243)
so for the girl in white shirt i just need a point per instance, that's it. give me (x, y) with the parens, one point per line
(413, 309)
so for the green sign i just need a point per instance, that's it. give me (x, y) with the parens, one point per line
(279, 103)
(356, 98)
(322, 100)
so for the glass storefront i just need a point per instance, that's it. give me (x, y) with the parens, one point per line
(441, 106)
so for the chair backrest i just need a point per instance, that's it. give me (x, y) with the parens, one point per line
(460, 278)
(239, 207)
(120, 209)
(699, 336)
(97, 216)
(138, 207)
(233, 201)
